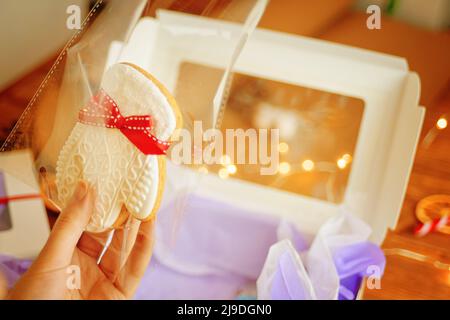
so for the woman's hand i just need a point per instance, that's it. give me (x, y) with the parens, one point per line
(67, 266)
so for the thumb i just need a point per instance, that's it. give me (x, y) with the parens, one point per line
(68, 229)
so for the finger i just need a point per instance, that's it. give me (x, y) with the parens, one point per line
(138, 259)
(91, 244)
(68, 229)
(118, 252)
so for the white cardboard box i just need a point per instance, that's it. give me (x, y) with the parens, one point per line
(388, 133)
(30, 228)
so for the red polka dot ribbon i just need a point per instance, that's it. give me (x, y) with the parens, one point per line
(102, 111)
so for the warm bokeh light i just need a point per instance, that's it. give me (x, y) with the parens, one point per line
(203, 170)
(232, 169)
(442, 123)
(284, 168)
(283, 147)
(225, 160)
(223, 173)
(308, 165)
(347, 158)
(341, 163)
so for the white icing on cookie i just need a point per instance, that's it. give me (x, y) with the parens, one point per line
(105, 158)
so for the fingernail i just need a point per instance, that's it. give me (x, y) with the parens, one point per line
(81, 190)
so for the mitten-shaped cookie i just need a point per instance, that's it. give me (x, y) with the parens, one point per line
(118, 146)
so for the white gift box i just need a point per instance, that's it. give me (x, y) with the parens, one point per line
(29, 227)
(387, 136)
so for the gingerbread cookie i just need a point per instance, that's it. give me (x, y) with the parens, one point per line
(118, 147)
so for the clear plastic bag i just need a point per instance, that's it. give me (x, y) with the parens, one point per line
(114, 32)
(127, 54)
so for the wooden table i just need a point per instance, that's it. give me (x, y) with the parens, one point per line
(407, 278)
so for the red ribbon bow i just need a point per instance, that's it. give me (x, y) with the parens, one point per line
(103, 111)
